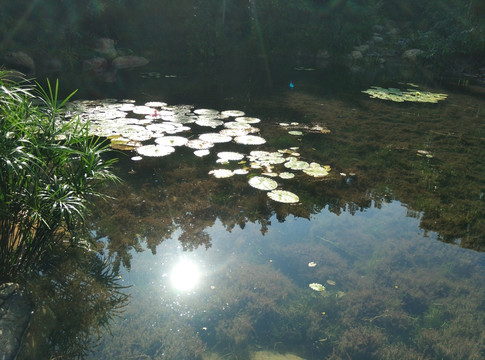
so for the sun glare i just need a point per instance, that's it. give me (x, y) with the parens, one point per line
(185, 275)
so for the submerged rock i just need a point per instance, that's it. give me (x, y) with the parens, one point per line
(20, 61)
(130, 61)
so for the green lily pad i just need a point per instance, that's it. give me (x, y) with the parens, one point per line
(250, 140)
(317, 287)
(263, 183)
(283, 196)
(155, 150)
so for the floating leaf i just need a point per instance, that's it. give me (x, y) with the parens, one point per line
(155, 150)
(287, 175)
(295, 133)
(215, 138)
(171, 140)
(201, 153)
(230, 156)
(250, 140)
(262, 183)
(283, 196)
(317, 287)
(221, 173)
(233, 113)
(199, 144)
(397, 95)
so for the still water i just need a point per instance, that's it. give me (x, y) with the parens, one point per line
(390, 241)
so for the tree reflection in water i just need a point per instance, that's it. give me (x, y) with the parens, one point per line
(74, 298)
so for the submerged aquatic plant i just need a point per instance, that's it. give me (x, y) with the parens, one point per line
(397, 95)
(50, 168)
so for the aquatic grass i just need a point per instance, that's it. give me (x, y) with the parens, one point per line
(50, 169)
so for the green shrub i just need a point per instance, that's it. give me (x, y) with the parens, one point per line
(50, 168)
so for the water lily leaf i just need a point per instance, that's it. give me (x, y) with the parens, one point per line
(233, 113)
(209, 122)
(201, 153)
(230, 156)
(296, 164)
(199, 144)
(287, 175)
(250, 140)
(295, 132)
(171, 140)
(317, 287)
(263, 183)
(283, 196)
(155, 150)
(248, 120)
(206, 112)
(215, 138)
(221, 173)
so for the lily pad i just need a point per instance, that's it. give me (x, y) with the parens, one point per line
(171, 140)
(283, 196)
(199, 144)
(215, 138)
(201, 153)
(250, 140)
(221, 173)
(317, 287)
(155, 150)
(248, 120)
(233, 113)
(230, 156)
(263, 183)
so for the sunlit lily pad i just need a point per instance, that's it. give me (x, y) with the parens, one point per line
(230, 156)
(397, 95)
(199, 144)
(215, 138)
(209, 122)
(155, 150)
(171, 140)
(206, 112)
(250, 140)
(295, 132)
(201, 153)
(297, 165)
(317, 287)
(233, 113)
(248, 120)
(237, 125)
(155, 104)
(316, 170)
(240, 172)
(263, 183)
(287, 175)
(143, 110)
(283, 196)
(221, 173)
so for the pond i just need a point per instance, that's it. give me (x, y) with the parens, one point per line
(376, 253)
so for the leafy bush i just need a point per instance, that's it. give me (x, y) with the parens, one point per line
(50, 168)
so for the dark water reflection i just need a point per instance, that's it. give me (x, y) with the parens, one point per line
(396, 244)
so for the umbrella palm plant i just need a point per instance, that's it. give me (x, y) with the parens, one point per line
(50, 168)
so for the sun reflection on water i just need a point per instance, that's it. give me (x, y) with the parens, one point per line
(185, 275)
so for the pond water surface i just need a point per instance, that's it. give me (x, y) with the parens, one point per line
(390, 240)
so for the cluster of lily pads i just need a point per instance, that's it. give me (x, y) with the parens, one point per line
(397, 95)
(154, 130)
